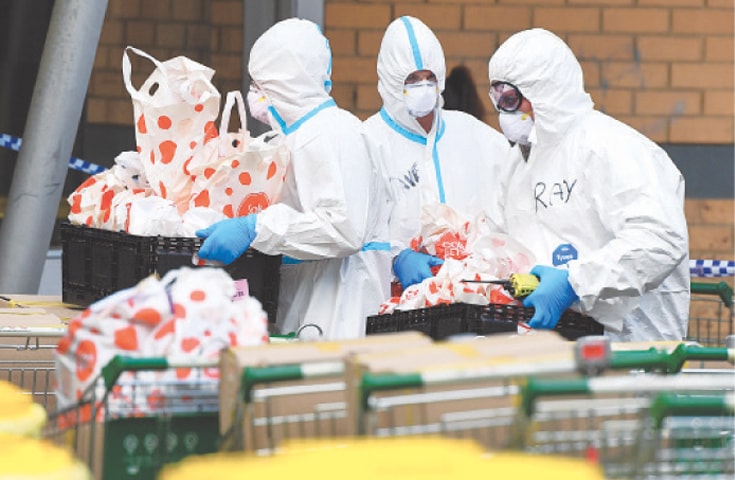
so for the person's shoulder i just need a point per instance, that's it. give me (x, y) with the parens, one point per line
(606, 129)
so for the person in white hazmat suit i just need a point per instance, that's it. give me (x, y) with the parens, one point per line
(599, 204)
(431, 155)
(328, 221)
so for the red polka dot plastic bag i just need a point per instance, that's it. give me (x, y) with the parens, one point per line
(174, 112)
(190, 313)
(243, 175)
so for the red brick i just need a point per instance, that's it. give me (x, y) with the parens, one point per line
(716, 211)
(704, 20)
(720, 3)
(596, 3)
(189, 10)
(612, 101)
(591, 72)
(567, 20)
(112, 33)
(636, 20)
(123, 9)
(692, 211)
(702, 75)
(368, 98)
(120, 112)
(158, 9)
(231, 38)
(621, 74)
(96, 110)
(719, 49)
(344, 95)
(437, 17)
(351, 69)
(669, 48)
(357, 16)
(711, 238)
(602, 47)
(702, 129)
(671, 3)
(171, 35)
(719, 102)
(226, 12)
(342, 41)
(368, 42)
(106, 84)
(667, 102)
(491, 18)
(101, 58)
(468, 44)
(199, 36)
(140, 33)
(227, 65)
(530, 2)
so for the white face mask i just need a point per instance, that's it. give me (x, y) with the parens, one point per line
(420, 98)
(516, 126)
(258, 105)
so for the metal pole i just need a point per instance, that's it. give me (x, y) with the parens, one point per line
(53, 119)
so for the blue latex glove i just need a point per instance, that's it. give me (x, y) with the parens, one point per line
(551, 298)
(413, 267)
(226, 240)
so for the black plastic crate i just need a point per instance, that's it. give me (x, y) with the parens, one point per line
(442, 321)
(96, 263)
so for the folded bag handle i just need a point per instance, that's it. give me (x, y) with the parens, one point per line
(233, 98)
(146, 90)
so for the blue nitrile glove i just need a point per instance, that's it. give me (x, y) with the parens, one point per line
(226, 240)
(413, 267)
(551, 298)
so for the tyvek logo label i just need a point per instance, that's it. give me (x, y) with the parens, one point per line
(563, 254)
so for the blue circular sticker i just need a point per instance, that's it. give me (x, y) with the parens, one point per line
(563, 254)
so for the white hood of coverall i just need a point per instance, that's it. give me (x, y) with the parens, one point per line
(624, 215)
(408, 45)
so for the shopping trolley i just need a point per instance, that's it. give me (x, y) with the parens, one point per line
(288, 401)
(603, 419)
(711, 318)
(26, 360)
(136, 416)
(481, 401)
(687, 435)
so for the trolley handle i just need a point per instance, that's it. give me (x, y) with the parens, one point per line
(670, 404)
(535, 388)
(668, 362)
(252, 376)
(721, 289)
(122, 363)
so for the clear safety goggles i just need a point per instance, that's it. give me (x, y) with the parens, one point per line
(505, 96)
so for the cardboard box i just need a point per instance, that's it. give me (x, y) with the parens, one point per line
(239, 418)
(30, 327)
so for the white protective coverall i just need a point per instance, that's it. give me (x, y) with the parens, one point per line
(456, 163)
(329, 216)
(595, 195)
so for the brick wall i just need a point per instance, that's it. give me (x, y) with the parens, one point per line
(663, 66)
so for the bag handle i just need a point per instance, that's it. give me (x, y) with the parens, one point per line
(126, 68)
(233, 98)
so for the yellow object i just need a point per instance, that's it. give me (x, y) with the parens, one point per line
(522, 284)
(23, 458)
(19, 415)
(398, 458)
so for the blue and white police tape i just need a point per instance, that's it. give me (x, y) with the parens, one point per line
(712, 268)
(14, 143)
